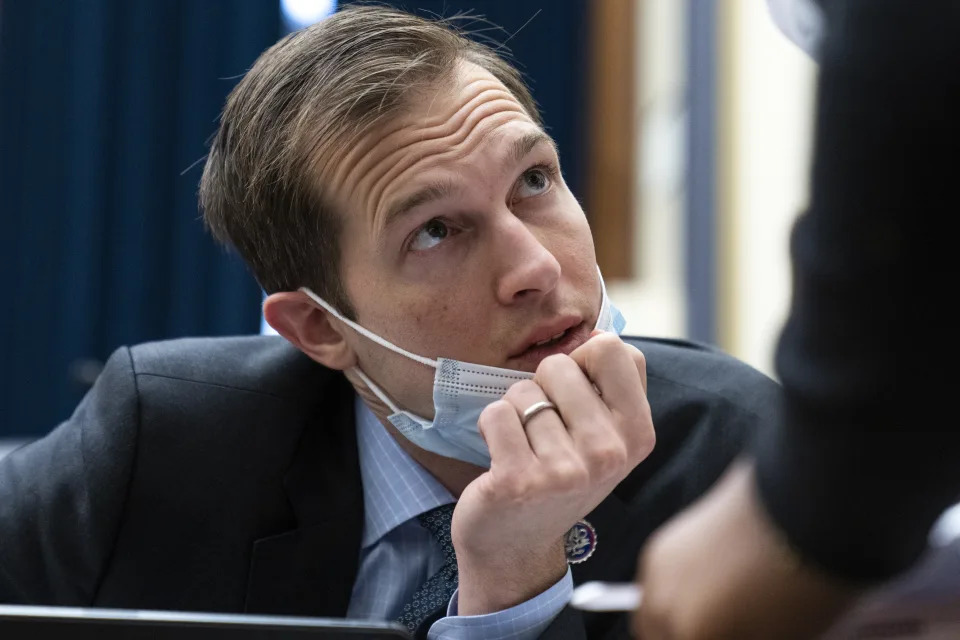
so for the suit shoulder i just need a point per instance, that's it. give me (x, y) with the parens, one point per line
(703, 369)
(263, 364)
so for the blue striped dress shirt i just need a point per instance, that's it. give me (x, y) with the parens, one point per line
(397, 554)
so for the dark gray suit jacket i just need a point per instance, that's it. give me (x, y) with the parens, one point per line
(222, 475)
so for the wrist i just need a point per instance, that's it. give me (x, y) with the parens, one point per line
(488, 585)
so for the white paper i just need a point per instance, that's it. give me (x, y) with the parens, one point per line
(607, 596)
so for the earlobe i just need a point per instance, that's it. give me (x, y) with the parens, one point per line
(309, 328)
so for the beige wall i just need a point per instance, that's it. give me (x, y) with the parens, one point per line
(653, 302)
(765, 102)
(764, 89)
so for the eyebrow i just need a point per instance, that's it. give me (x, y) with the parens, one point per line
(434, 191)
(526, 143)
(519, 149)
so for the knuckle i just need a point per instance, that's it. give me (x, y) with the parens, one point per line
(552, 364)
(648, 441)
(607, 340)
(494, 414)
(644, 436)
(608, 459)
(517, 489)
(606, 343)
(568, 475)
(639, 448)
(523, 389)
(631, 413)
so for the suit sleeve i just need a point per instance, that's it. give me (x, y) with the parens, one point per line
(61, 497)
(568, 625)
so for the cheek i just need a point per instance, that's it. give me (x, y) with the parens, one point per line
(412, 317)
(423, 324)
(453, 322)
(573, 239)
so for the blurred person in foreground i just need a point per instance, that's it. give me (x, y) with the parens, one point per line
(841, 495)
(449, 398)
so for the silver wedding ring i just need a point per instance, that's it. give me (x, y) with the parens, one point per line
(534, 409)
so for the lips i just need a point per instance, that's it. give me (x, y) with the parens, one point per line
(559, 336)
(550, 339)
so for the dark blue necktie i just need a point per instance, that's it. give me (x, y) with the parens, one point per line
(438, 589)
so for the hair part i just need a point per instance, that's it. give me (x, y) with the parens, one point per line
(313, 94)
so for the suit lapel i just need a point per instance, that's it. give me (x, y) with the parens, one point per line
(616, 554)
(311, 569)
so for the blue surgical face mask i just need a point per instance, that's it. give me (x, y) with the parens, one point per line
(461, 391)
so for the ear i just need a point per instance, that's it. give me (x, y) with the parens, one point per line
(309, 328)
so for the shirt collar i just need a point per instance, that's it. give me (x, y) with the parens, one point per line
(395, 487)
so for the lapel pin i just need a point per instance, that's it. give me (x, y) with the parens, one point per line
(580, 542)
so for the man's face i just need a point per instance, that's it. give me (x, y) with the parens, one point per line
(461, 240)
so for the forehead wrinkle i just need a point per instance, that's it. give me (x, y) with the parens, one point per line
(363, 171)
(436, 144)
(357, 159)
(424, 130)
(461, 147)
(348, 163)
(451, 141)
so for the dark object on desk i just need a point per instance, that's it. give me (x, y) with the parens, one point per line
(52, 623)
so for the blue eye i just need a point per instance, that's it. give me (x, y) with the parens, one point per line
(430, 235)
(533, 182)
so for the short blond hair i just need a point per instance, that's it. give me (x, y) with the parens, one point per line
(314, 92)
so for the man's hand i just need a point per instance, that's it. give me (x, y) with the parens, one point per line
(509, 523)
(720, 570)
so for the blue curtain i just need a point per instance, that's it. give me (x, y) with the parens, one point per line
(105, 110)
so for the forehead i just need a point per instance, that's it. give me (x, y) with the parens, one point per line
(468, 117)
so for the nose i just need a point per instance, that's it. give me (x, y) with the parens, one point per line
(530, 270)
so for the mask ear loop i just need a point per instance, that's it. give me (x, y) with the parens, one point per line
(367, 333)
(377, 391)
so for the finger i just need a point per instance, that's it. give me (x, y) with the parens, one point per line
(582, 410)
(614, 367)
(607, 451)
(500, 427)
(640, 361)
(545, 431)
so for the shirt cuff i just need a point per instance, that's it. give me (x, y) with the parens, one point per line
(524, 621)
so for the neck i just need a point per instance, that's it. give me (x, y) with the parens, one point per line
(453, 474)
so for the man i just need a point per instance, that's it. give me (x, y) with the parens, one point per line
(390, 186)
